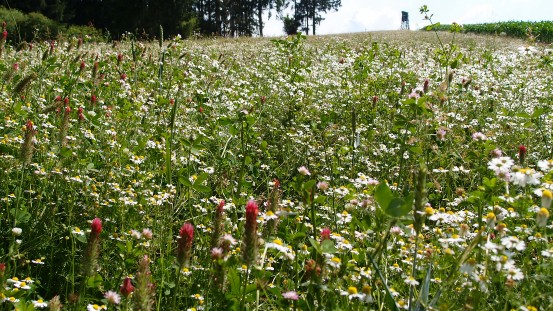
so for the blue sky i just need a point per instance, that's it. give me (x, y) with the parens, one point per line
(372, 15)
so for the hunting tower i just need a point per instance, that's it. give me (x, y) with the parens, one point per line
(404, 20)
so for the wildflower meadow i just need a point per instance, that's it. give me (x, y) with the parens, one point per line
(378, 171)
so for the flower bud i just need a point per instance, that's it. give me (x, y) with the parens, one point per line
(96, 226)
(325, 234)
(546, 198)
(521, 153)
(127, 288)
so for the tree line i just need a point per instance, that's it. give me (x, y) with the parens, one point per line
(209, 17)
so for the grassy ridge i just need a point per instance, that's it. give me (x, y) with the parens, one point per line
(541, 31)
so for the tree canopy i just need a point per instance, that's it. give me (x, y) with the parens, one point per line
(211, 17)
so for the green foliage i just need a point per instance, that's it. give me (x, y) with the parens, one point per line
(393, 205)
(291, 25)
(540, 31)
(87, 33)
(37, 27)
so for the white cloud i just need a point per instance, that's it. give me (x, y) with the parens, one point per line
(366, 15)
(355, 19)
(477, 14)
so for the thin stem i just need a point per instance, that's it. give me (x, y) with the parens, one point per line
(413, 271)
(243, 299)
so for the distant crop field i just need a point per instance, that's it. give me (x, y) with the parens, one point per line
(538, 31)
(376, 171)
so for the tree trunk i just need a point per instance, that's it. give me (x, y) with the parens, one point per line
(313, 20)
(260, 17)
(218, 19)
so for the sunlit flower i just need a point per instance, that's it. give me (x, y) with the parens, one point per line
(545, 165)
(513, 242)
(39, 304)
(303, 171)
(291, 295)
(334, 262)
(501, 164)
(11, 299)
(38, 261)
(527, 49)
(478, 136)
(147, 233)
(95, 307)
(77, 231)
(526, 176)
(546, 198)
(410, 280)
(542, 217)
(112, 297)
(490, 219)
(440, 134)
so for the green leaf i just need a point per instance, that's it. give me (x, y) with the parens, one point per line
(538, 112)
(416, 149)
(94, 281)
(422, 302)
(202, 188)
(225, 121)
(308, 185)
(320, 199)
(383, 195)
(20, 215)
(233, 130)
(400, 207)
(298, 236)
(250, 119)
(454, 64)
(490, 183)
(328, 247)
(183, 180)
(201, 178)
(234, 282)
(65, 152)
(24, 306)
(81, 238)
(7, 149)
(17, 108)
(316, 245)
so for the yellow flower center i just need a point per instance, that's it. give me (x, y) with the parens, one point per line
(352, 290)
